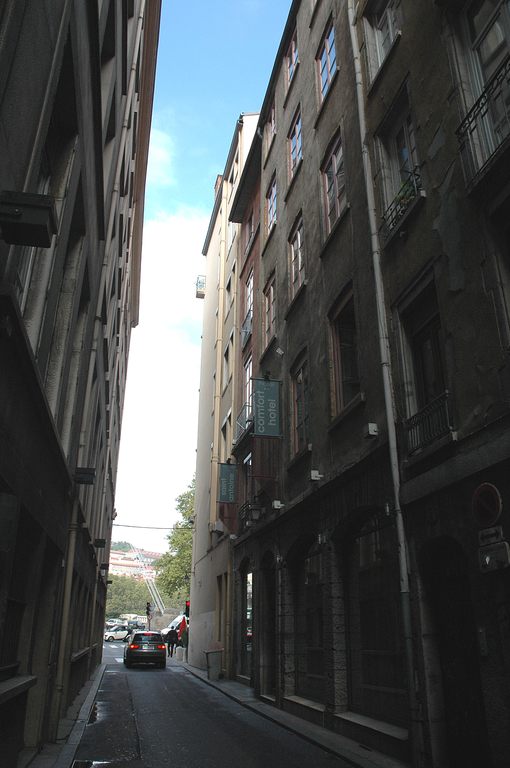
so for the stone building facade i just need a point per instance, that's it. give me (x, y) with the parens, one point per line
(76, 90)
(372, 587)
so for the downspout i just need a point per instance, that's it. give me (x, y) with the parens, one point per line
(65, 621)
(385, 359)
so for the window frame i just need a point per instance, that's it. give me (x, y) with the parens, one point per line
(271, 205)
(377, 15)
(295, 143)
(291, 59)
(339, 197)
(270, 309)
(296, 257)
(300, 390)
(324, 62)
(340, 382)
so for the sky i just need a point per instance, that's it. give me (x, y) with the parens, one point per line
(214, 63)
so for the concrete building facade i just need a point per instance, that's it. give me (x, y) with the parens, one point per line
(211, 581)
(370, 560)
(76, 90)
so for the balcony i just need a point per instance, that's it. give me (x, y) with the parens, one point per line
(428, 425)
(403, 203)
(200, 287)
(244, 422)
(486, 127)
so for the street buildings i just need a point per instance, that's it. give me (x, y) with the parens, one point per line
(76, 89)
(370, 389)
(211, 584)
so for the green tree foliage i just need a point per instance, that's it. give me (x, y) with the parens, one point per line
(121, 546)
(126, 595)
(174, 568)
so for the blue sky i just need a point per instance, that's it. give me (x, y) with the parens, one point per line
(215, 58)
(214, 62)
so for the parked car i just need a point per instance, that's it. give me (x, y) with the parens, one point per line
(117, 632)
(145, 648)
(175, 624)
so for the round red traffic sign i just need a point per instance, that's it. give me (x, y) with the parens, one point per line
(487, 505)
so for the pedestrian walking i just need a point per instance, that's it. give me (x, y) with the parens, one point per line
(171, 640)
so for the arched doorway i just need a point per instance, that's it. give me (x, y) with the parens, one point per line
(377, 673)
(246, 623)
(445, 576)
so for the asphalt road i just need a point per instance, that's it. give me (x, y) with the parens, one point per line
(148, 717)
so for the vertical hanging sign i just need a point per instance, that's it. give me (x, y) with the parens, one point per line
(266, 408)
(227, 491)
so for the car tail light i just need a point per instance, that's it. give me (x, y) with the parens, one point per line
(162, 647)
(133, 646)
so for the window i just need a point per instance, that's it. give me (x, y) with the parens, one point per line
(227, 361)
(247, 380)
(381, 25)
(291, 58)
(233, 174)
(333, 182)
(247, 325)
(326, 62)
(226, 437)
(270, 127)
(297, 262)
(401, 179)
(486, 28)
(271, 206)
(269, 310)
(248, 294)
(294, 144)
(228, 295)
(249, 229)
(231, 234)
(300, 394)
(344, 354)
(424, 379)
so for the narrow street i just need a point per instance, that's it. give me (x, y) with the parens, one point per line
(150, 717)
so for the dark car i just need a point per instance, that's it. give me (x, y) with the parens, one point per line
(145, 648)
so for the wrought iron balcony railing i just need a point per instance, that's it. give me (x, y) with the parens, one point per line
(243, 422)
(429, 424)
(410, 191)
(487, 124)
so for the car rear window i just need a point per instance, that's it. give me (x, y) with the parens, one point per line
(147, 637)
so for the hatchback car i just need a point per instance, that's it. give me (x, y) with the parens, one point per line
(145, 648)
(117, 632)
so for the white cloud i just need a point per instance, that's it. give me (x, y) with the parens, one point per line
(159, 431)
(160, 170)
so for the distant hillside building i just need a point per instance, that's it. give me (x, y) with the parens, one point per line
(76, 91)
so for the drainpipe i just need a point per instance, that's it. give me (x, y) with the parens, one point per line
(385, 360)
(65, 621)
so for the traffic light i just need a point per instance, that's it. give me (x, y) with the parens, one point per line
(186, 609)
(148, 609)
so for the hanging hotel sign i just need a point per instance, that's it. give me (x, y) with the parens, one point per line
(227, 492)
(266, 408)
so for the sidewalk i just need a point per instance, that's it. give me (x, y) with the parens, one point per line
(61, 754)
(338, 745)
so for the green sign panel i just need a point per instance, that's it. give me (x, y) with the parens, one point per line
(228, 484)
(266, 408)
